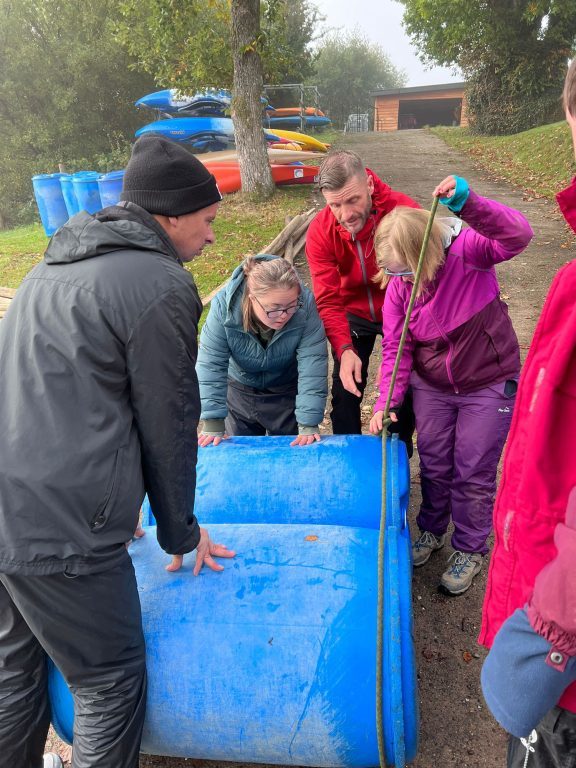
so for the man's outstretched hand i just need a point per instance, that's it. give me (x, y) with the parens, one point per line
(206, 551)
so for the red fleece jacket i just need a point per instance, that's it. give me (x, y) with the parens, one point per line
(342, 266)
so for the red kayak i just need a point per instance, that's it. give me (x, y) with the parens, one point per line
(228, 174)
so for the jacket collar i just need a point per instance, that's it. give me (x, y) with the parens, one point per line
(567, 202)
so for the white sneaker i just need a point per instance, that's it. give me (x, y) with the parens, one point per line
(52, 760)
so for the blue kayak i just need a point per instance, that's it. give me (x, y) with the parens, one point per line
(209, 102)
(172, 101)
(310, 121)
(207, 134)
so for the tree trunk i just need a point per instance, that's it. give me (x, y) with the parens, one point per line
(246, 106)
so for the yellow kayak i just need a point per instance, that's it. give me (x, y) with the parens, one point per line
(308, 142)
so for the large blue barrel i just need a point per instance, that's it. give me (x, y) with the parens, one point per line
(69, 195)
(51, 206)
(110, 186)
(86, 191)
(273, 660)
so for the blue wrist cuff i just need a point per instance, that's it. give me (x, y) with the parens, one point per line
(458, 199)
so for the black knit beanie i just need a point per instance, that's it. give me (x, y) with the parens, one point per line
(163, 177)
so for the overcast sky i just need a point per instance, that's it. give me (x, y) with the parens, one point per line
(381, 22)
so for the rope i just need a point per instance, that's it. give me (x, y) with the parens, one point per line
(385, 423)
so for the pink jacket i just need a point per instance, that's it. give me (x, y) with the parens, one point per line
(460, 337)
(534, 553)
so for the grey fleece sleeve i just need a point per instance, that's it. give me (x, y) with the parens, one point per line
(161, 357)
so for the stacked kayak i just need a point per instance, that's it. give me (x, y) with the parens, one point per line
(203, 121)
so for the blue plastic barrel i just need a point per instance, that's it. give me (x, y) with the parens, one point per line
(51, 205)
(69, 195)
(110, 186)
(86, 189)
(273, 660)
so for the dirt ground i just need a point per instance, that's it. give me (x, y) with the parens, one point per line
(456, 729)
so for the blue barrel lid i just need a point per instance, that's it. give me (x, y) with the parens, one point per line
(111, 175)
(85, 175)
(49, 176)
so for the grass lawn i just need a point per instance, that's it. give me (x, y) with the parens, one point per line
(540, 161)
(241, 228)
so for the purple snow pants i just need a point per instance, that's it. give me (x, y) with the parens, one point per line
(460, 440)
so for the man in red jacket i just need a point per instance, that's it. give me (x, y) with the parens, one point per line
(529, 614)
(340, 253)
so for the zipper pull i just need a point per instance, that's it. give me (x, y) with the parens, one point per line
(527, 742)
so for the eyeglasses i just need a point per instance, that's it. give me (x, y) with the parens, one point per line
(398, 274)
(275, 314)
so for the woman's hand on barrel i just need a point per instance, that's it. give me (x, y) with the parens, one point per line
(206, 551)
(306, 439)
(204, 439)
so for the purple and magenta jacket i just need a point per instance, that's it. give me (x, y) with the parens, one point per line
(460, 337)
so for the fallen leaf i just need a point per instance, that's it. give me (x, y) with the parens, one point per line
(467, 656)
(310, 538)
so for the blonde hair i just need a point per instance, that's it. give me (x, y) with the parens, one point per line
(262, 276)
(399, 236)
(569, 93)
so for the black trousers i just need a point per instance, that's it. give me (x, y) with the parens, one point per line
(554, 746)
(91, 627)
(345, 415)
(261, 412)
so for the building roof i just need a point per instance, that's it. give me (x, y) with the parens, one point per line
(419, 89)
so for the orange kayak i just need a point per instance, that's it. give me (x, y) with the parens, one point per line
(227, 175)
(288, 111)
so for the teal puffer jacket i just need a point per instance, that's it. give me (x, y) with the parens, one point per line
(228, 351)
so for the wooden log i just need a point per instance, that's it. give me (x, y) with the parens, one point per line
(289, 251)
(277, 245)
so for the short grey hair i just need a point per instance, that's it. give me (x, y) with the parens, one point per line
(338, 167)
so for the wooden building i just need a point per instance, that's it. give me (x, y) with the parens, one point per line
(401, 108)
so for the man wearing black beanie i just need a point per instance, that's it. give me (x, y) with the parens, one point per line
(99, 405)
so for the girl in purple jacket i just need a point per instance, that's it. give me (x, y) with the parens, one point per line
(461, 358)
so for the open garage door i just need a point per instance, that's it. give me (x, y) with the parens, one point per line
(417, 113)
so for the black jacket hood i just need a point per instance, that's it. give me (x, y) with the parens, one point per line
(120, 227)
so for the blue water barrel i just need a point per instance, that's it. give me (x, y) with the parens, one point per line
(110, 186)
(68, 193)
(273, 660)
(86, 190)
(51, 205)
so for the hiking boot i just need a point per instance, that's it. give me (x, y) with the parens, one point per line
(424, 546)
(52, 760)
(462, 568)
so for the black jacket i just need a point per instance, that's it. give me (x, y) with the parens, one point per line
(98, 397)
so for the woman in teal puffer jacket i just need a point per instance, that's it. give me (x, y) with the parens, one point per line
(263, 361)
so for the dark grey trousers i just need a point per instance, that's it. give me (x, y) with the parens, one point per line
(555, 744)
(91, 628)
(260, 412)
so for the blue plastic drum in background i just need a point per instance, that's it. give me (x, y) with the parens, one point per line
(69, 194)
(50, 201)
(110, 186)
(86, 189)
(273, 660)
